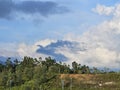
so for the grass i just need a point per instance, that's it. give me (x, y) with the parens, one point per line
(109, 81)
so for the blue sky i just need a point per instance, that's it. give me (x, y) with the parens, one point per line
(24, 24)
(79, 14)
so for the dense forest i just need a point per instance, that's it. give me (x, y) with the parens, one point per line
(38, 74)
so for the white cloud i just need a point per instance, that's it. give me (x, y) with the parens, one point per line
(103, 10)
(22, 49)
(27, 50)
(45, 42)
(8, 49)
(117, 11)
(30, 50)
(108, 10)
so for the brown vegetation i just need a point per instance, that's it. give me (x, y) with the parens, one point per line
(80, 77)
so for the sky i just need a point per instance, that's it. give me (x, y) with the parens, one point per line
(85, 31)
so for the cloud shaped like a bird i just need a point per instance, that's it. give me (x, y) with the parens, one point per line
(50, 49)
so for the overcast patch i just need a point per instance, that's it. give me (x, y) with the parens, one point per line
(8, 8)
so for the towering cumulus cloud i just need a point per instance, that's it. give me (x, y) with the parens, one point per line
(9, 8)
(101, 41)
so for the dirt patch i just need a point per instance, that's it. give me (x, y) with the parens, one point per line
(85, 77)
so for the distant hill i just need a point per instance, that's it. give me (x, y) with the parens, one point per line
(3, 59)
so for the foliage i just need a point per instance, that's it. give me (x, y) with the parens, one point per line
(37, 74)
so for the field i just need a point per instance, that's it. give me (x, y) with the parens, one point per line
(109, 81)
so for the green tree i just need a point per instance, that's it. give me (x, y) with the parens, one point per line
(75, 67)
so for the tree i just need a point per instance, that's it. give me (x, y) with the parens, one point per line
(49, 62)
(1, 67)
(8, 63)
(75, 66)
(28, 62)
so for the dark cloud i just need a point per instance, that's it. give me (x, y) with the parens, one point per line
(44, 8)
(51, 49)
(8, 7)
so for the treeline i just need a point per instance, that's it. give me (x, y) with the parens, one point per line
(36, 73)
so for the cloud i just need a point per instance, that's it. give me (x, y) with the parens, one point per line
(28, 50)
(51, 49)
(23, 49)
(45, 42)
(31, 50)
(6, 7)
(103, 10)
(108, 10)
(8, 50)
(9, 9)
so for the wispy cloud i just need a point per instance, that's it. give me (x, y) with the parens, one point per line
(9, 8)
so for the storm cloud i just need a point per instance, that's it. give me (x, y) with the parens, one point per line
(9, 8)
(6, 7)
